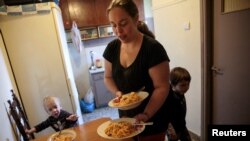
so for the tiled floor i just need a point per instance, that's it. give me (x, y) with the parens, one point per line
(113, 114)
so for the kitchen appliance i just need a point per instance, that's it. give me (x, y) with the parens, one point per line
(39, 61)
(18, 2)
(92, 67)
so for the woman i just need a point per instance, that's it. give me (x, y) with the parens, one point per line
(135, 60)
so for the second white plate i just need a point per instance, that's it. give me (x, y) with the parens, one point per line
(66, 132)
(102, 127)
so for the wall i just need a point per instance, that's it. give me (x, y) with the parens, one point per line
(5, 94)
(183, 47)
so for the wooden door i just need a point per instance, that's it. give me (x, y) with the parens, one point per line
(83, 12)
(101, 15)
(226, 66)
(63, 4)
(231, 66)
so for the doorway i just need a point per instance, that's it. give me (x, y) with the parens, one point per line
(226, 58)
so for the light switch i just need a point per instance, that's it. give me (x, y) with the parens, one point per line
(186, 25)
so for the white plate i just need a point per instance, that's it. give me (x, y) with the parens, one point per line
(68, 132)
(142, 95)
(102, 127)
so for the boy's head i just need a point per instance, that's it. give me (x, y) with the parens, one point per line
(52, 106)
(180, 80)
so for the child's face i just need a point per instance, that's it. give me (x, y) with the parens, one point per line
(181, 87)
(53, 108)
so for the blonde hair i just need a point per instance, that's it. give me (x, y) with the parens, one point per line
(50, 99)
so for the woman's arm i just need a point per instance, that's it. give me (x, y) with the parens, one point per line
(108, 79)
(160, 77)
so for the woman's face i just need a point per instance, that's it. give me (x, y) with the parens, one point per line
(123, 25)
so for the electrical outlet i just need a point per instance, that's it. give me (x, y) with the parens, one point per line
(186, 25)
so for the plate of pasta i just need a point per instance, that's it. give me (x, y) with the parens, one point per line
(129, 100)
(65, 135)
(121, 128)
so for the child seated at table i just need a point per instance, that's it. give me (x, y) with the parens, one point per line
(58, 119)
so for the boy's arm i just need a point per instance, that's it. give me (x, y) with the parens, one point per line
(69, 116)
(171, 132)
(72, 117)
(30, 131)
(43, 125)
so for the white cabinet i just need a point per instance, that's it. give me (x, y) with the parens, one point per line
(101, 94)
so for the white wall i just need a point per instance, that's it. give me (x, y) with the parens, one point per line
(98, 52)
(183, 47)
(5, 94)
(81, 62)
(80, 69)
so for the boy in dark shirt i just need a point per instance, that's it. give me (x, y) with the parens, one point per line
(179, 80)
(58, 119)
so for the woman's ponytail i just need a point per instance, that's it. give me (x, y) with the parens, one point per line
(143, 28)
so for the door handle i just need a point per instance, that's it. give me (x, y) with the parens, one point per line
(217, 70)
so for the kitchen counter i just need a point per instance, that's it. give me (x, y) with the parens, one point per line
(101, 94)
(97, 70)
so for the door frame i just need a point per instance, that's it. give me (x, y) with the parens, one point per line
(207, 62)
(10, 72)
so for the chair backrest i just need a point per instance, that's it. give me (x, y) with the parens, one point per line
(19, 116)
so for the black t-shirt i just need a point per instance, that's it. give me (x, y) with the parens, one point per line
(137, 75)
(53, 122)
(176, 109)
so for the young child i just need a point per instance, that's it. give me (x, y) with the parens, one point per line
(58, 119)
(179, 81)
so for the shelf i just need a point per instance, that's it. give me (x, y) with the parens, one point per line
(93, 33)
(105, 31)
(89, 33)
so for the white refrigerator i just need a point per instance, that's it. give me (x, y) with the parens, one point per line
(40, 65)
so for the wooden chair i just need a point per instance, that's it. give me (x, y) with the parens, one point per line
(18, 115)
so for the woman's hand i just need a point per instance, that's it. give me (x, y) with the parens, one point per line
(171, 132)
(142, 117)
(118, 95)
(72, 117)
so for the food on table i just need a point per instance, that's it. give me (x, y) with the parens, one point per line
(62, 137)
(120, 129)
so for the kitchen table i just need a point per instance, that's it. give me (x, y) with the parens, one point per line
(86, 132)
